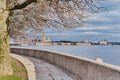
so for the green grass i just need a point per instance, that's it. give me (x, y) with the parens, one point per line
(19, 72)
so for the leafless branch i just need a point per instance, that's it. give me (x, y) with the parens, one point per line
(38, 14)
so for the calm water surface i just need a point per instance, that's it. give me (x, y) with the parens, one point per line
(109, 54)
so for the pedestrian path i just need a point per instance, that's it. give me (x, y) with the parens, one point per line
(46, 71)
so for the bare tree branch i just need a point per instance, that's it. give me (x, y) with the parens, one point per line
(20, 6)
(39, 14)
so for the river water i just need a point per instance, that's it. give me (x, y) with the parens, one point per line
(109, 54)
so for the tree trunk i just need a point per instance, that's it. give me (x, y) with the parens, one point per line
(5, 64)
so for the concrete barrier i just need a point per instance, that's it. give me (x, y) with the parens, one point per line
(28, 65)
(85, 69)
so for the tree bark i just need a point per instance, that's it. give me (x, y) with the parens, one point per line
(5, 64)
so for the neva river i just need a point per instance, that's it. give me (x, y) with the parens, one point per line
(109, 54)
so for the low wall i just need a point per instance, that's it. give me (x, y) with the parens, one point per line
(85, 69)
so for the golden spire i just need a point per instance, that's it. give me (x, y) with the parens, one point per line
(43, 37)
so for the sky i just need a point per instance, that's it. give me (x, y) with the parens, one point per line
(99, 26)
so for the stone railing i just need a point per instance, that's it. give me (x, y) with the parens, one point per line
(85, 69)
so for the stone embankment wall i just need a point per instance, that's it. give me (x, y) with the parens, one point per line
(86, 69)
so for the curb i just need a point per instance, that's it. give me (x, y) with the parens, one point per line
(28, 65)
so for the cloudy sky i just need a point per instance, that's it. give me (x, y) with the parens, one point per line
(104, 25)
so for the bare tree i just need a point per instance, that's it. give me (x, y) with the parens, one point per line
(26, 15)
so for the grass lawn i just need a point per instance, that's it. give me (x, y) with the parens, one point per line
(19, 72)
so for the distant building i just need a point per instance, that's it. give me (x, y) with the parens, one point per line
(103, 42)
(44, 38)
(83, 43)
(45, 41)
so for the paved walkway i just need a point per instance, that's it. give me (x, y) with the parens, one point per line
(46, 71)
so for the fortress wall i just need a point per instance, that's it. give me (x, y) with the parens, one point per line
(86, 69)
